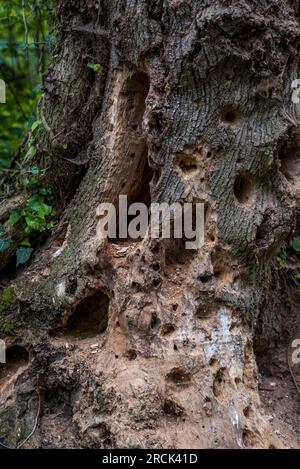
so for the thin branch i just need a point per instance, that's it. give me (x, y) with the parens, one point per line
(25, 25)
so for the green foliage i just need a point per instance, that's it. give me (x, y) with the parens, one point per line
(23, 255)
(37, 213)
(7, 326)
(286, 252)
(5, 243)
(296, 244)
(7, 299)
(282, 259)
(296, 248)
(24, 48)
(15, 216)
(36, 217)
(95, 67)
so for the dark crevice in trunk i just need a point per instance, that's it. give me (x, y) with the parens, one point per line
(88, 319)
(17, 357)
(131, 109)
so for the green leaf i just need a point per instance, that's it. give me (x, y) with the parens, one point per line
(50, 225)
(44, 210)
(35, 170)
(35, 125)
(297, 276)
(15, 216)
(25, 182)
(34, 202)
(44, 192)
(33, 223)
(282, 261)
(23, 255)
(5, 243)
(26, 243)
(32, 152)
(296, 244)
(94, 67)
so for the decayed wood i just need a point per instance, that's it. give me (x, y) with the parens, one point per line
(192, 97)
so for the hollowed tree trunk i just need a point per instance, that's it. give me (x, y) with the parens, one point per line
(144, 343)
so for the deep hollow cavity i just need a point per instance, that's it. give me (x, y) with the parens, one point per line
(219, 383)
(132, 99)
(133, 102)
(179, 376)
(187, 163)
(289, 157)
(131, 147)
(172, 409)
(193, 161)
(167, 329)
(176, 252)
(230, 115)
(244, 188)
(131, 354)
(89, 318)
(179, 251)
(17, 357)
(205, 310)
(57, 399)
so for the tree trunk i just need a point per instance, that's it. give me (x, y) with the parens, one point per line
(144, 343)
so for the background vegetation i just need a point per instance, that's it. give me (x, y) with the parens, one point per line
(25, 42)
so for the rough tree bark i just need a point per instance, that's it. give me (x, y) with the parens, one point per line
(192, 103)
